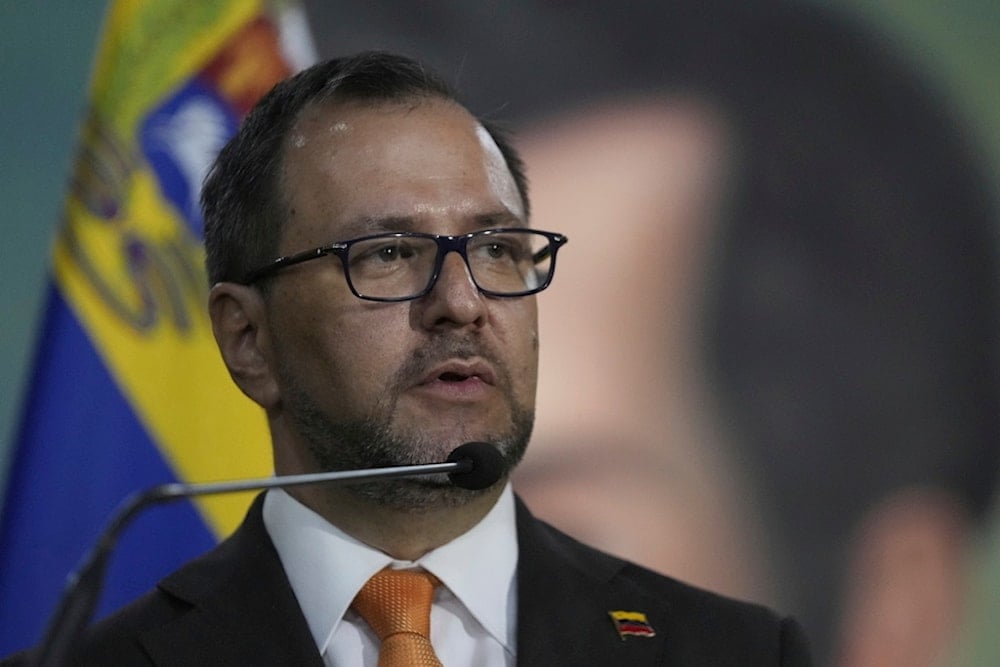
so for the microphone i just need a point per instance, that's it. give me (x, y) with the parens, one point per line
(473, 466)
(482, 465)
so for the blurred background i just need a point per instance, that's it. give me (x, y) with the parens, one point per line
(788, 157)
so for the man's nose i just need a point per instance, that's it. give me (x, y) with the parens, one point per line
(454, 300)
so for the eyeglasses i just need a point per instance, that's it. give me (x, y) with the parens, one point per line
(400, 266)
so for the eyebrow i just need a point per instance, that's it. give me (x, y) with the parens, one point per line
(367, 225)
(375, 225)
(502, 218)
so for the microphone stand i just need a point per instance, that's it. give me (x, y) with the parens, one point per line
(83, 586)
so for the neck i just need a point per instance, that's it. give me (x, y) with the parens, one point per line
(404, 534)
(401, 532)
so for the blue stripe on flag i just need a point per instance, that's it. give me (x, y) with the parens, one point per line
(80, 451)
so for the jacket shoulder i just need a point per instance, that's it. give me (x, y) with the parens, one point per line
(564, 577)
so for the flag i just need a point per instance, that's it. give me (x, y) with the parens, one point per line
(631, 624)
(128, 389)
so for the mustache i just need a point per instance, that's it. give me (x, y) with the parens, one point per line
(441, 349)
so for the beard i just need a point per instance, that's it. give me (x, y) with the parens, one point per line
(371, 441)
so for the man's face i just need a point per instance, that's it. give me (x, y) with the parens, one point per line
(364, 383)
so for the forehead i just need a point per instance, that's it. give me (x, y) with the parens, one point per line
(355, 164)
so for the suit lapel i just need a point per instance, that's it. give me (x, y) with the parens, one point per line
(566, 592)
(243, 610)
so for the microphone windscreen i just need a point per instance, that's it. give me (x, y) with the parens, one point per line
(487, 465)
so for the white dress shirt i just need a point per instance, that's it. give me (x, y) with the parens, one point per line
(474, 617)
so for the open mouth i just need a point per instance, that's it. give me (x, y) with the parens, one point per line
(454, 377)
(455, 372)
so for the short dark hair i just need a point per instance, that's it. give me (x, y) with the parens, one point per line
(242, 200)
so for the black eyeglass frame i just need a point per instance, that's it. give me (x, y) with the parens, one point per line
(445, 245)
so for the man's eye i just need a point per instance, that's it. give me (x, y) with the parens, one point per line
(386, 253)
(497, 250)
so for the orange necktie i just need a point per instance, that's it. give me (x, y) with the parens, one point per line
(397, 606)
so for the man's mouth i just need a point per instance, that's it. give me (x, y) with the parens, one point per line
(458, 371)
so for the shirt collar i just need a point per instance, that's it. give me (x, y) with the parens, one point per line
(327, 567)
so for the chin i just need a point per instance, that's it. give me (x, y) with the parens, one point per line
(417, 495)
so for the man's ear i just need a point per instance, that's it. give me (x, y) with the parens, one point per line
(239, 323)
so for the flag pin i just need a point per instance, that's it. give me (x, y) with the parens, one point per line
(631, 623)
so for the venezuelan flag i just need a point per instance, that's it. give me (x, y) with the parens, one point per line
(128, 389)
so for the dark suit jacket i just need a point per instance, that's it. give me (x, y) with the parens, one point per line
(234, 606)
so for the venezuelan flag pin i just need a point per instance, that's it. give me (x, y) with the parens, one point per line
(631, 623)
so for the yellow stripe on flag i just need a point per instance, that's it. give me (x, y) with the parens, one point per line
(130, 266)
(150, 46)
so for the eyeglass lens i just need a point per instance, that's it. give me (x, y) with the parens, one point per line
(395, 267)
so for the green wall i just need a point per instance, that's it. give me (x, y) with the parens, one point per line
(45, 54)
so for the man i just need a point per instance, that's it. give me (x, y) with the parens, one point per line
(382, 347)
